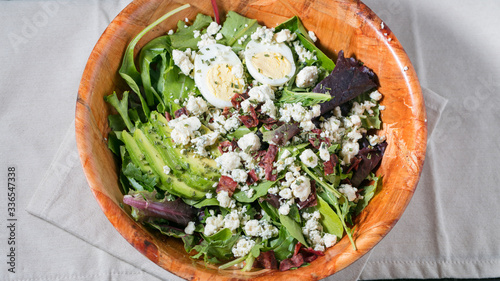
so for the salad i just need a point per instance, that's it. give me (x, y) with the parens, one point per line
(246, 142)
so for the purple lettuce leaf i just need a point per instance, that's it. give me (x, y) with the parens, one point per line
(370, 158)
(147, 206)
(348, 80)
(282, 134)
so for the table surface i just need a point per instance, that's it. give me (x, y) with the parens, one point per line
(449, 230)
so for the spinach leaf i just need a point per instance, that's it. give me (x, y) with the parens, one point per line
(293, 228)
(284, 246)
(329, 219)
(260, 190)
(184, 37)
(368, 193)
(324, 60)
(149, 53)
(294, 25)
(235, 27)
(128, 71)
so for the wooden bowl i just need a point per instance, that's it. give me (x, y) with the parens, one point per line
(339, 25)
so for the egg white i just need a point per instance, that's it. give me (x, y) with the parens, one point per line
(254, 48)
(210, 57)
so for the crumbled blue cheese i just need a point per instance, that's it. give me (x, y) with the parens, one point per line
(249, 142)
(349, 191)
(312, 35)
(252, 228)
(229, 161)
(203, 141)
(196, 105)
(263, 34)
(286, 193)
(301, 188)
(232, 220)
(183, 61)
(219, 36)
(375, 95)
(329, 240)
(190, 228)
(309, 158)
(303, 54)
(183, 129)
(348, 151)
(239, 175)
(269, 108)
(324, 154)
(261, 93)
(205, 40)
(213, 224)
(213, 28)
(307, 77)
(232, 123)
(285, 35)
(242, 247)
(284, 209)
(374, 139)
(196, 33)
(224, 200)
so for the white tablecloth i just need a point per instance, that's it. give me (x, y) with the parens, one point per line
(450, 228)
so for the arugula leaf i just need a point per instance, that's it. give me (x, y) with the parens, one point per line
(184, 37)
(293, 228)
(306, 98)
(122, 108)
(235, 27)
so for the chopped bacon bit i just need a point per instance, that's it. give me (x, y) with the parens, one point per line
(252, 177)
(236, 100)
(305, 251)
(268, 160)
(300, 255)
(251, 120)
(181, 111)
(258, 157)
(227, 146)
(294, 261)
(227, 184)
(329, 165)
(311, 200)
(267, 260)
(286, 264)
(355, 161)
(226, 112)
(269, 120)
(168, 116)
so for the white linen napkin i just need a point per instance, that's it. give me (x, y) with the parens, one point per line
(63, 198)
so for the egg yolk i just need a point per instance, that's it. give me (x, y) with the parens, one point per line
(223, 83)
(272, 65)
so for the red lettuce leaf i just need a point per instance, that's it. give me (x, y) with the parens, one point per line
(348, 80)
(175, 211)
(282, 134)
(367, 160)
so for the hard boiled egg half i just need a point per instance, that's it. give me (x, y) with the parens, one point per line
(270, 64)
(218, 74)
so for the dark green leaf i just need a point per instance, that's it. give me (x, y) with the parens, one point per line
(293, 228)
(235, 27)
(184, 37)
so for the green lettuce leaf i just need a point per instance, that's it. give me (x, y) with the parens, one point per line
(184, 37)
(235, 27)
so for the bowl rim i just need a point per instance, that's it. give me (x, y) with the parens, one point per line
(136, 235)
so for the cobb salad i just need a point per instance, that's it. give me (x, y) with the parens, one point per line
(246, 142)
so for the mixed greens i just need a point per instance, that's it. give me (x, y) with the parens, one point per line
(271, 181)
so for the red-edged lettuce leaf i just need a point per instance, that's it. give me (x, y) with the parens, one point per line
(282, 134)
(348, 80)
(147, 206)
(366, 160)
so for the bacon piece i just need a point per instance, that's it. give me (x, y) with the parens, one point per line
(227, 146)
(268, 160)
(252, 177)
(267, 260)
(226, 184)
(168, 116)
(226, 112)
(329, 165)
(181, 111)
(251, 120)
(294, 261)
(236, 100)
(311, 200)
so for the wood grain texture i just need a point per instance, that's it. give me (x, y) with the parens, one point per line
(339, 25)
